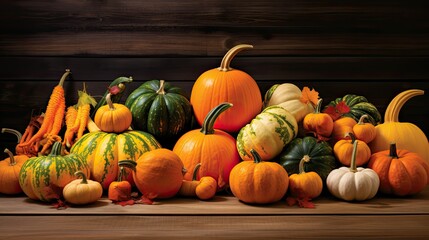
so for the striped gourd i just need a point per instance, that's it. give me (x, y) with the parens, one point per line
(43, 178)
(102, 152)
(267, 133)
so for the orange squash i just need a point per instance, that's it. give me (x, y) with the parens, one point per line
(9, 173)
(343, 150)
(364, 131)
(225, 84)
(120, 190)
(215, 149)
(305, 184)
(204, 189)
(320, 124)
(113, 117)
(406, 135)
(401, 172)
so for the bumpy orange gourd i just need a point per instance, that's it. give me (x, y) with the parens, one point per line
(158, 173)
(406, 135)
(342, 126)
(305, 184)
(204, 189)
(215, 149)
(343, 150)
(364, 131)
(320, 124)
(113, 117)
(259, 182)
(225, 84)
(9, 173)
(401, 172)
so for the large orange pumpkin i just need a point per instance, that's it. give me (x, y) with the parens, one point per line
(225, 84)
(214, 149)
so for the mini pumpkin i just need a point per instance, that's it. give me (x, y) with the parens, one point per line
(353, 184)
(320, 124)
(342, 126)
(259, 182)
(113, 117)
(204, 189)
(401, 172)
(364, 131)
(9, 172)
(343, 150)
(120, 190)
(305, 184)
(82, 191)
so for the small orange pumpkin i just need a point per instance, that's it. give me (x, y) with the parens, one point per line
(342, 126)
(225, 84)
(401, 172)
(120, 190)
(305, 184)
(204, 189)
(259, 182)
(364, 131)
(321, 124)
(157, 174)
(343, 150)
(9, 173)
(113, 117)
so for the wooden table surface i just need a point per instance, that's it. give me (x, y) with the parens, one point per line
(221, 218)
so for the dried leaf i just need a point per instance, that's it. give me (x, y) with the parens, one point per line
(301, 202)
(309, 96)
(60, 205)
(124, 203)
(337, 111)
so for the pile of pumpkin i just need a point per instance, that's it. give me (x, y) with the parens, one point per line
(286, 144)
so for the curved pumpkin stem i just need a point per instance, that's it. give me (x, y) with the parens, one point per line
(352, 136)
(211, 117)
(394, 107)
(226, 61)
(109, 102)
(305, 159)
(129, 164)
(362, 119)
(161, 87)
(318, 106)
(56, 149)
(195, 172)
(353, 160)
(83, 176)
(63, 78)
(256, 156)
(12, 161)
(13, 131)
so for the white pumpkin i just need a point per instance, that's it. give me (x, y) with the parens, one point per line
(353, 184)
(288, 96)
(267, 133)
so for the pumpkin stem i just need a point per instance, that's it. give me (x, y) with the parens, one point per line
(362, 119)
(256, 157)
(211, 117)
(226, 60)
(12, 161)
(13, 131)
(353, 160)
(318, 106)
(83, 176)
(63, 78)
(56, 149)
(195, 172)
(394, 107)
(128, 163)
(304, 159)
(109, 102)
(161, 87)
(121, 173)
(351, 135)
(392, 151)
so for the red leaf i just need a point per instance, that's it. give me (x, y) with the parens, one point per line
(301, 202)
(337, 111)
(59, 205)
(124, 203)
(145, 200)
(291, 201)
(342, 108)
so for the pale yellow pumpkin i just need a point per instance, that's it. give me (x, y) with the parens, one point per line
(406, 135)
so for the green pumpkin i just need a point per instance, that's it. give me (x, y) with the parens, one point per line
(103, 151)
(357, 106)
(267, 133)
(43, 178)
(160, 109)
(318, 153)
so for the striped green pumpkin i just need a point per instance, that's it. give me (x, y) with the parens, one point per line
(43, 178)
(102, 152)
(267, 133)
(359, 106)
(160, 109)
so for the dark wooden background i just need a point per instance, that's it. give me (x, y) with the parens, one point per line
(371, 48)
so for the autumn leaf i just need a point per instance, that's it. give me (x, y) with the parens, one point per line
(337, 111)
(59, 205)
(309, 96)
(301, 202)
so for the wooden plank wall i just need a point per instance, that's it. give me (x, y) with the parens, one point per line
(371, 48)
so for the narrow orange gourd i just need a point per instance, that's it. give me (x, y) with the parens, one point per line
(343, 150)
(318, 123)
(113, 117)
(225, 84)
(364, 131)
(305, 184)
(9, 173)
(401, 172)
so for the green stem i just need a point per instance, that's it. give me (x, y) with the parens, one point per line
(392, 152)
(121, 173)
(129, 164)
(161, 87)
(56, 149)
(226, 60)
(318, 106)
(83, 176)
(304, 159)
(63, 78)
(211, 117)
(195, 172)
(13, 131)
(12, 161)
(256, 157)
(353, 160)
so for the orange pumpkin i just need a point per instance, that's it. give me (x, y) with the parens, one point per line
(259, 182)
(321, 124)
(204, 189)
(364, 131)
(113, 117)
(305, 184)
(120, 190)
(9, 173)
(157, 174)
(342, 126)
(343, 150)
(401, 172)
(225, 84)
(215, 149)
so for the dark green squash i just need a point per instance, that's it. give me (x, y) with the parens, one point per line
(357, 106)
(160, 109)
(320, 154)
